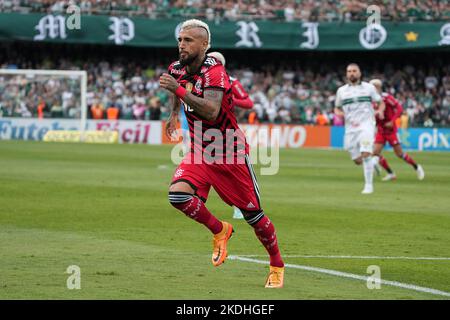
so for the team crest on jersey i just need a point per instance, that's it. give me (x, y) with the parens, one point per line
(198, 85)
(189, 86)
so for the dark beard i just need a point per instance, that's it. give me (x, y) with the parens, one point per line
(187, 61)
(354, 80)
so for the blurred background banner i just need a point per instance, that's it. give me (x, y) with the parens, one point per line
(95, 136)
(436, 139)
(418, 139)
(130, 131)
(250, 34)
(101, 67)
(288, 136)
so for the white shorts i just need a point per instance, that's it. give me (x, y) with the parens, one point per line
(359, 141)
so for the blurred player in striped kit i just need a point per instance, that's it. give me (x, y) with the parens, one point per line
(356, 98)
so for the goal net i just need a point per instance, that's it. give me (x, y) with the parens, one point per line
(28, 93)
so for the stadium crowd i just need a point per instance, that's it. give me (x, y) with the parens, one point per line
(288, 10)
(281, 94)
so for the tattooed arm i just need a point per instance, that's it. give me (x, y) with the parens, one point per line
(207, 107)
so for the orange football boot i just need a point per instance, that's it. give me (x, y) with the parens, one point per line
(220, 244)
(275, 278)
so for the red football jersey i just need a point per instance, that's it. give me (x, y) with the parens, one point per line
(392, 111)
(211, 75)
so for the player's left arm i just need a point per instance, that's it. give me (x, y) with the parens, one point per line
(207, 107)
(338, 103)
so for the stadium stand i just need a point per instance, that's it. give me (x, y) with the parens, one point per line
(306, 10)
(294, 93)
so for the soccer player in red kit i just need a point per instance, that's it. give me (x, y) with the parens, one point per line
(387, 132)
(202, 84)
(241, 99)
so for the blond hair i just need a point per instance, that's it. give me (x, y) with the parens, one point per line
(195, 23)
(376, 82)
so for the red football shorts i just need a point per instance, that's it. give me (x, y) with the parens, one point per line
(235, 183)
(382, 138)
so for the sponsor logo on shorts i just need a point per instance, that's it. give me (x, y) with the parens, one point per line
(365, 143)
(179, 173)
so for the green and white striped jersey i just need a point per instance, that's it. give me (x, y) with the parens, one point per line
(356, 101)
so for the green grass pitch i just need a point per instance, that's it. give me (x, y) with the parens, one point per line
(104, 208)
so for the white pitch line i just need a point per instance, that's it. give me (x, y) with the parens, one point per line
(355, 257)
(351, 276)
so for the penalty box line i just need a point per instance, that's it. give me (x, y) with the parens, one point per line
(349, 275)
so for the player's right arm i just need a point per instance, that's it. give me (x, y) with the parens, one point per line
(338, 103)
(171, 123)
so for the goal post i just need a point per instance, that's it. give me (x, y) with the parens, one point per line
(10, 78)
